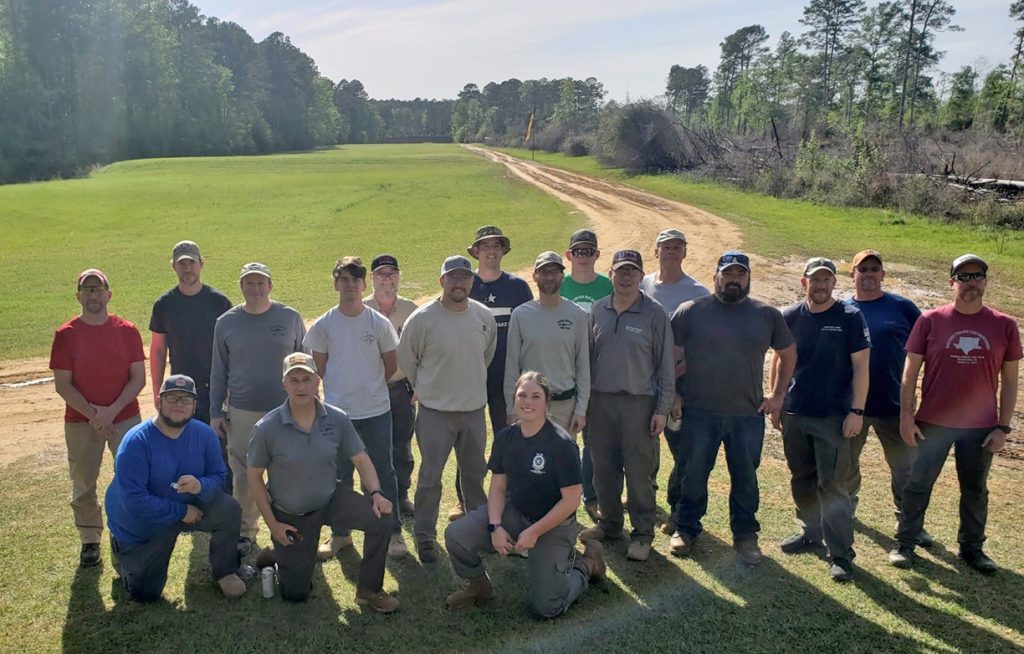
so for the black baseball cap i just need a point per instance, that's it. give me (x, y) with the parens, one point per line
(382, 260)
(733, 258)
(627, 258)
(582, 237)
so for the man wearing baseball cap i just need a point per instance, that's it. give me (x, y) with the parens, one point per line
(890, 318)
(584, 286)
(98, 369)
(670, 286)
(632, 381)
(971, 356)
(303, 447)
(249, 341)
(823, 411)
(168, 479)
(445, 349)
(501, 292)
(551, 335)
(387, 278)
(724, 338)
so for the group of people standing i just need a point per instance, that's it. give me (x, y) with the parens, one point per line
(621, 359)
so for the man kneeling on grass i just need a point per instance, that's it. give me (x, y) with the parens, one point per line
(301, 445)
(169, 478)
(536, 486)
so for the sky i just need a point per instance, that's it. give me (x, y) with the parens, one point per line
(431, 48)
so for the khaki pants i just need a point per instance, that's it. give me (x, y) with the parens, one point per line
(238, 424)
(561, 413)
(85, 455)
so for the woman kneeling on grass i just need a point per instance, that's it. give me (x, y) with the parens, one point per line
(536, 485)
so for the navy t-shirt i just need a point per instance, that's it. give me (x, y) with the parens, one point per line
(890, 319)
(188, 321)
(823, 380)
(500, 296)
(538, 468)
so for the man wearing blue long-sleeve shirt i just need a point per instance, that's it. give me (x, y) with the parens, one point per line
(169, 478)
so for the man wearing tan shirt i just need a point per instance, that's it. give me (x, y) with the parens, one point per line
(444, 350)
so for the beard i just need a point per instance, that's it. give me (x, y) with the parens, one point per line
(732, 292)
(171, 422)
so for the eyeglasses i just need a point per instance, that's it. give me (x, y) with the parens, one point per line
(583, 252)
(867, 269)
(92, 290)
(184, 400)
(969, 277)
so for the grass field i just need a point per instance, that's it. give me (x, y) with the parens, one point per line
(783, 228)
(297, 213)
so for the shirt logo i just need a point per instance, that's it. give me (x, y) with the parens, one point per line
(278, 330)
(565, 324)
(491, 298)
(635, 330)
(367, 337)
(968, 347)
(967, 344)
(538, 463)
(832, 328)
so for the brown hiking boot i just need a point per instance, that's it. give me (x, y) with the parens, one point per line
(458, 511)
(593, 560)
(681, 544)
(593, 511)
(232, 586)
(377, 600)
(669, 526)
(330, 548)
(478, 591)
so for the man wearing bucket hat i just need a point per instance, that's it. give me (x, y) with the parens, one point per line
(724, 338)
(248, 344)
(971, 356)
(168, 479)
(632, 380)
(823, 411)
(501, 292)
(98, 369)
(552, 335)
(444, 349)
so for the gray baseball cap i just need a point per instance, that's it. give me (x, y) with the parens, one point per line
(548, 257)
(254, 268)
(456, 262)
(964, 259)
(666, 235)
(185, 250)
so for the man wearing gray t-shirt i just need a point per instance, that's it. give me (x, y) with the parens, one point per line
(670, 286)
(248, 344)
(724, 338)
(301, 446)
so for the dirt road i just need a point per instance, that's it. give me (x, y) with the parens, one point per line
(623, 217)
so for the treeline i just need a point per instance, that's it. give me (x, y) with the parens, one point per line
(86, 82)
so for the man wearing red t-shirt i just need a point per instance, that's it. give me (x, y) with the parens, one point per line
(98, 368)
(970, 355)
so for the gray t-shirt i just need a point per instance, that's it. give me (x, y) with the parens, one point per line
(303, 467)
(724, 346)
(247, 353)
(672, 295)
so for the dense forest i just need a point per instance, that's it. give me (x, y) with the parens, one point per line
(851, 110)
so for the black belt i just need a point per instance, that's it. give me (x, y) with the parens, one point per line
(564, 395)
(277, 507)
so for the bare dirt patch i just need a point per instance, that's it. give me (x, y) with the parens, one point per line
(624, 217)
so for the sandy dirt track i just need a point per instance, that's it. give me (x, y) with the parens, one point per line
(623, 217)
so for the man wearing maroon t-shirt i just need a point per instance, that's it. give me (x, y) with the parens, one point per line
(970, 355)
(98, 368)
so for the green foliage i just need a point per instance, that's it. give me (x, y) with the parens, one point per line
(846, 179)
(960, 108)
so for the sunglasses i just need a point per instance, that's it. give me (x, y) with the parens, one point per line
(867, 269)
(969, 277)
(583, 252)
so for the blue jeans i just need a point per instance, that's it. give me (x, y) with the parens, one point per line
(743, 437)
(375, 432)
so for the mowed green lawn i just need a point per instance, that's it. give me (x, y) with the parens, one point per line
(298, 213)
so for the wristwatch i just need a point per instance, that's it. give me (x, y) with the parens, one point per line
(1004, 428)
(376, 491)
(493, 527)
(857, 412)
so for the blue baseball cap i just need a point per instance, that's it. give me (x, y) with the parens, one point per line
(182, 383)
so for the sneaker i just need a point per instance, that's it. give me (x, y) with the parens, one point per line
(748, 551)
(799, 543)
(379, 601)
(979, 561)
(266, 558)
(246, 572)
(406, 506)
(669, 526)
(478, 591)
(841, 571)
(330, 547)
(232, 586)
(593, 511)
(397, 549)
(901, 557)
(593, 560)
(458, 511)
(638, 550)
(427, 551)
(245, 546)
(924, 539)
(90, 555)
(681, 544)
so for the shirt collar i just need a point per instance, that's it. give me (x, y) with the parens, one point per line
(286, 412)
